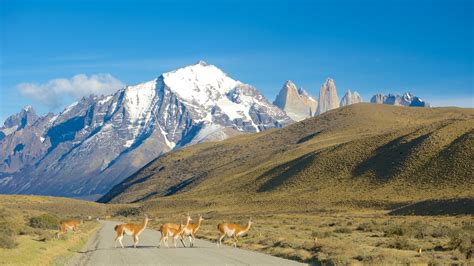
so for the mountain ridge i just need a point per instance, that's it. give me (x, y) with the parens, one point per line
(99, 140)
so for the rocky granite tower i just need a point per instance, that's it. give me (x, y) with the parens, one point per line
(350, 98)
(297, 104)
(328, 99)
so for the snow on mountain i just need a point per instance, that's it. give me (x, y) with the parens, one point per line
(100, 140)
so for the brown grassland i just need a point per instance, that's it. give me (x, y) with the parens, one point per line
(28, 225)
(364, 184)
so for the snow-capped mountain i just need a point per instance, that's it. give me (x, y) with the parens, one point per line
(100, 140)
(297, 103)
(407, 99)
(350, 98)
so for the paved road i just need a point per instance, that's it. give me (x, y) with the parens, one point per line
(100, 251)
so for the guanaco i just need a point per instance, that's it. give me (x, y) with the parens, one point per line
(191, 230)
(232, 230)
(173, 230)
(130, 229)
(65, 225)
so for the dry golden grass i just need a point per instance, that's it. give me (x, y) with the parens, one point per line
(365, 152)
(344, 178)
(23, 244)
(336, 236)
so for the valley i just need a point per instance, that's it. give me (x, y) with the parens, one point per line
(365, 183)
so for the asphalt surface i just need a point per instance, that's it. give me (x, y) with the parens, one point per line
(100, 251)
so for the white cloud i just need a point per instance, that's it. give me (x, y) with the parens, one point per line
(54, 91)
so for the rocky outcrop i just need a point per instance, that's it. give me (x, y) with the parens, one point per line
(328, 98)
(406, 99)
(296, 103)
(350, 98)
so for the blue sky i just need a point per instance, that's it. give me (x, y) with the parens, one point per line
(425, 47)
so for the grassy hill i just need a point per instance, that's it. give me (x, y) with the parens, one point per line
(362, 184)
(363, 155)
(372, 184)
(28, 225)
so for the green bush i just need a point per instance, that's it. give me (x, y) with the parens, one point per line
(319, 234)
(125, 212)
(365, 227)
(420, 230)
(45, 236)
(441, 231)
(7, 238)
(462, 241)
(396, 230)
(400, 243)
(343, 230)
(45, 221)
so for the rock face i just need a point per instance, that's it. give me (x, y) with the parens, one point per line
(406, 99)
(328, 99)
(100, 140)
(351, 98)
(378, 98)
(297, 103)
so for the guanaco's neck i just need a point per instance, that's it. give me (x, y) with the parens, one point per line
(145, 222)
(199, 224)
(247, 227)
(187, 223)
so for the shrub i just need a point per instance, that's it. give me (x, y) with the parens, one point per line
(9, 226)
(396, 230)
(125, 212)
(419, 230)
(26, 230)
(343, 230)
(282, 244)
(366, 227)
(45, 221)
(400, 243)
(463, 241)
(319, 234)
(7, 239)
(45, 236)
(442, 231)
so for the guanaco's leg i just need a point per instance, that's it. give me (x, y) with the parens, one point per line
(236, 238)
(135, 241)
(221, 237)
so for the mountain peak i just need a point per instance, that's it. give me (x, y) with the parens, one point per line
(289, 83)
(407, 99)
(202, 63)
(297, 104)
(27, 116)
(329, 82)
(28, 108)
(350, 98)
(327, 96)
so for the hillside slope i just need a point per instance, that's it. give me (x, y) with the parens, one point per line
(356, 155)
